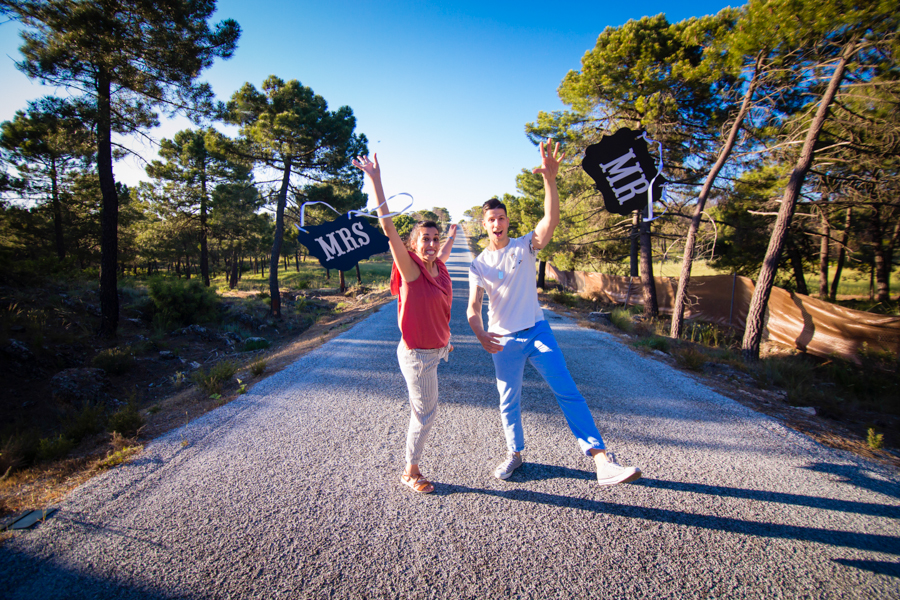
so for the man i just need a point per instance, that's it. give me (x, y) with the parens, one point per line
(517, 331)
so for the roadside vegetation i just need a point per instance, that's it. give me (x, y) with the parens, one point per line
(855, 406)
(75, 403)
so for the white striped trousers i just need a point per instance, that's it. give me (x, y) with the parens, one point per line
(419, 368)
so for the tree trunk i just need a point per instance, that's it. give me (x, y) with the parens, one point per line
(109, 214)
(279, 238)
(204, 227)
(688, 261)
(651, 308)
(343, 284)
(842, 255)
(358, 275)
(542, 273)
(233, 280)
(758, 303)
(884, 254)
(797, 266)
(823, 255)
(57, 211)
(635, 241)
(872, 281)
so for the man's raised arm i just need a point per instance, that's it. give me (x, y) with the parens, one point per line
(550, 161)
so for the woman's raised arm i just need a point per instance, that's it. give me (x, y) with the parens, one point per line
(406, 265)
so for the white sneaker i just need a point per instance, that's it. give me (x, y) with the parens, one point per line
(505, 469)
(610, 472)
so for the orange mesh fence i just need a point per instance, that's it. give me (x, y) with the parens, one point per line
(795, 320)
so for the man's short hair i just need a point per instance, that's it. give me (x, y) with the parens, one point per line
(491, 205)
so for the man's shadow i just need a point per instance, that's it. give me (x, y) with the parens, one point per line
(887, 544)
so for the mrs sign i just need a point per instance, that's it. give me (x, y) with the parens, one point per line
(342, 243)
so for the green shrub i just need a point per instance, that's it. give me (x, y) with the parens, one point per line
(118, 457)
(126, 421)
(710, 334)
(875, 440)
(259, 367)
(18, 449)
(255, 344)
(237, 328)
(622, 318)
(564, 298)
(799, 378)
(653, 343)
(690, 358)
(876, 358)
(211, 381)
(183, 301)
(90, 419)
(54, 448)
(224, 370)
(114, 361)
(163, 321)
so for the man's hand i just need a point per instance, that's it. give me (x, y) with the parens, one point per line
(550, 160)
(489, 342)
(473, 313)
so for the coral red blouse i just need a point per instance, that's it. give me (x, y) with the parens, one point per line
(423, 306)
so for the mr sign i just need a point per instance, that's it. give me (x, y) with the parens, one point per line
(343, 242)
(623, 170)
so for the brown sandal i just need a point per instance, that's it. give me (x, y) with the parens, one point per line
(417, 483)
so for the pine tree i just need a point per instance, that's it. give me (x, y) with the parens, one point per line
(127, 57)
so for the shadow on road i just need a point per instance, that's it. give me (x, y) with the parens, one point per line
(26, 576)
(875, 566)
(855, 476)
(845, 506)
(868, 542)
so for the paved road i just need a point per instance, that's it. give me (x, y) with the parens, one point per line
(292, 491)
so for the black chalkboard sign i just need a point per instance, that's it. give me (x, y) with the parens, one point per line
(342, 243)
(623, 170)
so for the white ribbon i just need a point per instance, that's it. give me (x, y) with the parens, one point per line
(659, 168)
(393, 214)
(361, 211)
(303, 211)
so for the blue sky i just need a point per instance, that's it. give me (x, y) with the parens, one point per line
(443, 92)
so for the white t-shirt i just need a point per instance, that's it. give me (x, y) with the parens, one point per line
(508, 276)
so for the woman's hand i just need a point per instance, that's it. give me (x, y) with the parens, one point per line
(369, 167)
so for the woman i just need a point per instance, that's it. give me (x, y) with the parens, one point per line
(420, 278)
